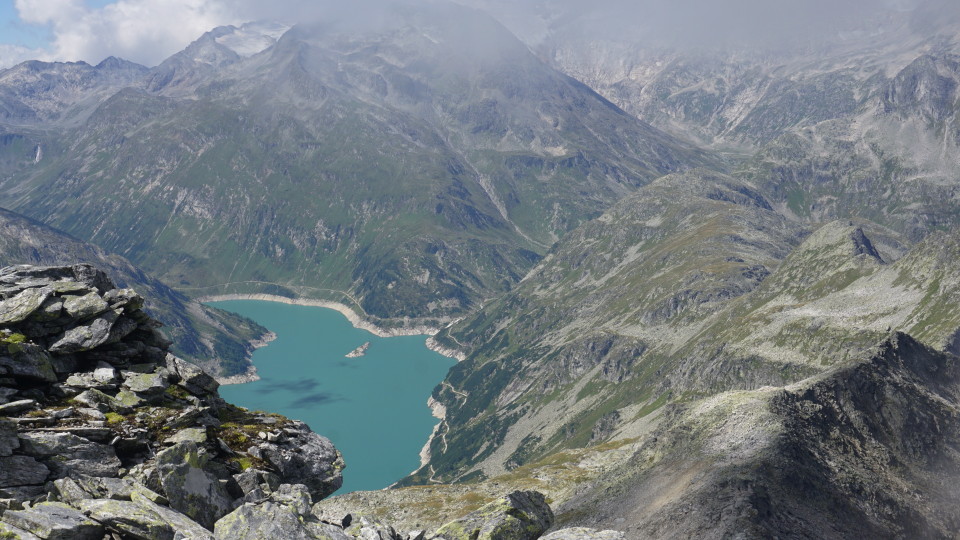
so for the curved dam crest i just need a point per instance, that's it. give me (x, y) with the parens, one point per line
(373, 407)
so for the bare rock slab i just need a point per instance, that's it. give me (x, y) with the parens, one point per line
(55, 521)
(189, 488)
(22, 471)
(521, 515)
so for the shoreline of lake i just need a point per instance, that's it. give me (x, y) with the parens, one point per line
(250, 375)
(356, 320)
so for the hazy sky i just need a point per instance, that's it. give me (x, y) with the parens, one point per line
(147, 31)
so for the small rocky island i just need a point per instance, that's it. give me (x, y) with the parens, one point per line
(106, 435)
(359, 351)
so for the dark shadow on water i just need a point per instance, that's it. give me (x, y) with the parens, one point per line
(319, 398)
(306, 385)
(345, 364)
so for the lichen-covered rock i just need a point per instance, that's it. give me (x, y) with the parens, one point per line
(95, 399)
(21, 306)
(55, 521)
(86, 336)
(252, 479)
(104, 390)
(184, 527)
(295, 496)
(191, 488)
(147, 384)
(78, 487)
(272, 520)
(22, 471)
(27, 360)
(583, 533)
(65, 452)
(84, 307)
(49, 311)
(197, 435)
(15, 533)
(365, 528)
(307, 458)
(521, 515)
(132, 519)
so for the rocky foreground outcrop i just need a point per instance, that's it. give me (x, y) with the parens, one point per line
(105, 434)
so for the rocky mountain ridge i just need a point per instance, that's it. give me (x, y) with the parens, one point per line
(218, 341)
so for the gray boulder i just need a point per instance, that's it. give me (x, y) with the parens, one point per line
(65, 452)
(100, 379)
(191, 377)
(27, 360)
(84, 307)
(78, 487)
(92, 276)
(21, 306)
(583, 533)
(146, 384)
(189, 487)
(295, 496)
(184, 527)
(49, 311)
(521, 515)
(97, 400)
(306, 458)
(125, 298)
(18, 406)
(55, 521)
(273, 520)
(257, 482)
(18, 471)
(136, 519)
(371, 529)
(86, 336)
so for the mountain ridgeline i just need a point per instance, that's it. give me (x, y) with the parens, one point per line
(695, 293)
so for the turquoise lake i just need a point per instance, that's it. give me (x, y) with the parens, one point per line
(373, 408)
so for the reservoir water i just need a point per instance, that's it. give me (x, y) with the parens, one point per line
(372, 407)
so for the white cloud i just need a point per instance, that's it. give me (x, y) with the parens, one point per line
(145, 31)
(148, 31)
(14, 54)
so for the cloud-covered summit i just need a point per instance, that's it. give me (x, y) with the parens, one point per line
(148, 31)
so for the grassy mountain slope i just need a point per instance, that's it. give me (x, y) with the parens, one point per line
(629, 313)
(417, 166)
(592, 329)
